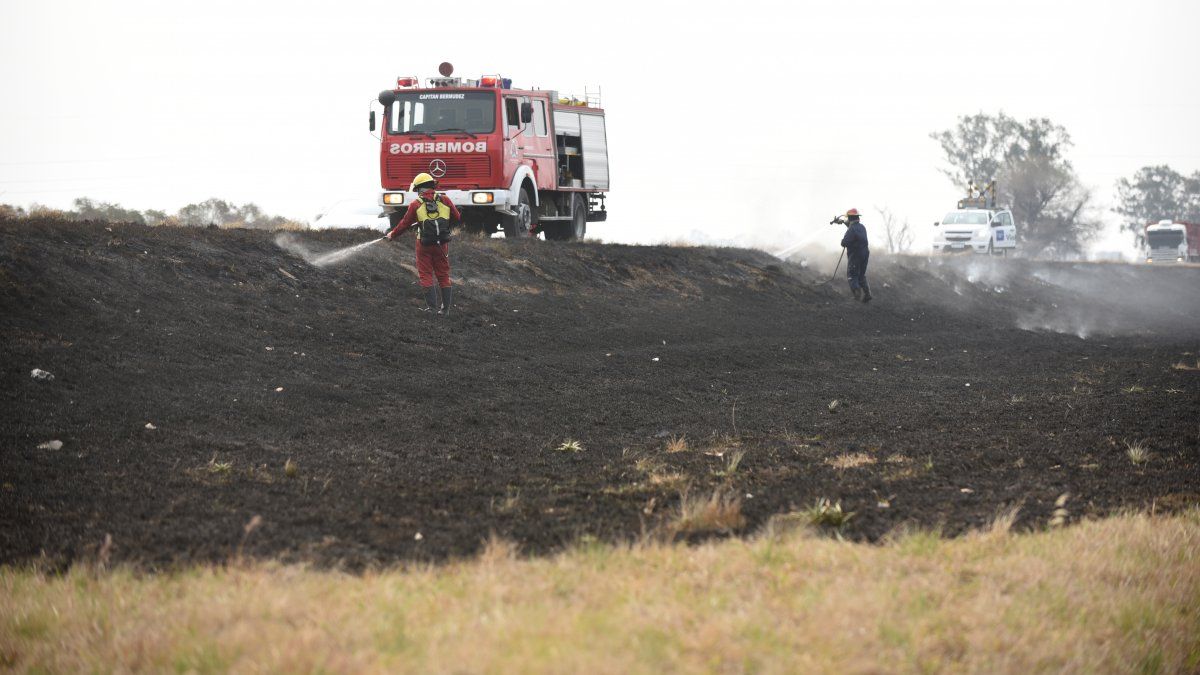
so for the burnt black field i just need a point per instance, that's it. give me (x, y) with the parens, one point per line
(364, 432)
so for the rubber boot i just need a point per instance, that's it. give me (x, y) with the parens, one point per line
(866, 288)
(447, 300)
(431, 300)
(857, 293)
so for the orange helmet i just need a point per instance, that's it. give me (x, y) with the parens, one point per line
(852, 213)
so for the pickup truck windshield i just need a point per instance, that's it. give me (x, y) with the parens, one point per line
(429, 112)
(965, 218)
(1168, 239)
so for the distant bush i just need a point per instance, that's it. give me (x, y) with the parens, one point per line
(86, 209)
(8, 211)
(211, 212)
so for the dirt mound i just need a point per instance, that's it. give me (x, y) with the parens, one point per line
(205, 377)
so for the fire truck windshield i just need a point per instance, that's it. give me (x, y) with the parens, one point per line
(1165, 239)
(428, 112)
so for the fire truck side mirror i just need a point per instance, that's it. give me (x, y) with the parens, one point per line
(371, 123)
(526, 112)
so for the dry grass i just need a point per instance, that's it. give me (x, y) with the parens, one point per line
(677, 444)
(287, 225)
(850, 460)
(1059, 516)
(658, 475)
(720, 512)
(1003, 522)
(570, 446)
(509, 503)
(733, 460)
(1185, 366)
(219, 468)
(1137, 452)
(1116, 595)
(826, 514)
(668, 479)
(647, 465)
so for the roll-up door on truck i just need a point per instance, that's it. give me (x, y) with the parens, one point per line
(583, 133)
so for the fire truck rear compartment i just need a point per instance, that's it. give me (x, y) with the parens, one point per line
(582, 145)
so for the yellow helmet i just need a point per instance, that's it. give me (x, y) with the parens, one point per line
(421, 179)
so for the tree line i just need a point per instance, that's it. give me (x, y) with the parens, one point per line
(1028, 160)
(215, 212)
(1056, 212)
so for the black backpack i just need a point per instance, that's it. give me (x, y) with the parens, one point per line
(434, 229)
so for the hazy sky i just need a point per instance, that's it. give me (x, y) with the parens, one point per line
(746, 120)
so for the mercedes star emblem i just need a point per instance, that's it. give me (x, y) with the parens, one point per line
(437, 168)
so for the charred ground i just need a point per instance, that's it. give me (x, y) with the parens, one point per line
(964, 390)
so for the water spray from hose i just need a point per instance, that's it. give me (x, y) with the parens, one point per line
(289, 243)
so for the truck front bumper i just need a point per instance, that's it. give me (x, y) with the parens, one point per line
(967, 246)
(393, 201)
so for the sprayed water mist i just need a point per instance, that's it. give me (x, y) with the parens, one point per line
(289, 243)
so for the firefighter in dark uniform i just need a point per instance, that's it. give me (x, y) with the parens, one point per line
(857, 255)
(431, 213)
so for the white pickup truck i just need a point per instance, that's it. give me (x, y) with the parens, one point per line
(976, 226)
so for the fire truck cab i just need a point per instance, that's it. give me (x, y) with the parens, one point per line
(519, 161)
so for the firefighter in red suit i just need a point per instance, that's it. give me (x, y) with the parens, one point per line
(431, 214)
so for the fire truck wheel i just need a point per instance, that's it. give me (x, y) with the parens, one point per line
(520, 225)
(578, 218)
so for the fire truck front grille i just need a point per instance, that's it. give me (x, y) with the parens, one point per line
(460, 169)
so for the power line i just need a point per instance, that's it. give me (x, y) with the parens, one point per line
(83, 161)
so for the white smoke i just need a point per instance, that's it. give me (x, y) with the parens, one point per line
(1082, 299)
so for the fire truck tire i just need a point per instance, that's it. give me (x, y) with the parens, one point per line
(519, 225)
(578, 225)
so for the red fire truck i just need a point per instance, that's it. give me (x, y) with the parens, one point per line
(519, 161)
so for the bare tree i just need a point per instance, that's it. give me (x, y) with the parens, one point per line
(898, 236)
